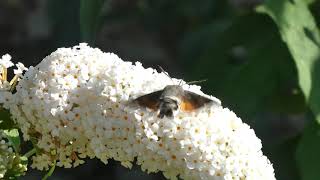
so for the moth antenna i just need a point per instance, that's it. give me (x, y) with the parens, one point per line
(162, 70)
(194, 82)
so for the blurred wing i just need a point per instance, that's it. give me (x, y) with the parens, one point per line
(192, 101)
(150, 101)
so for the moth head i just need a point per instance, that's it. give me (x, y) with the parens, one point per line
(167, 107)
(171, 103)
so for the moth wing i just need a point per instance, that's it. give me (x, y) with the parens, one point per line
(150, 100)
(192, 101)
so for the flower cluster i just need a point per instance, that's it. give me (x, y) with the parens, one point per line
(7, 87)
(11, 164)
(9, 160)
(6, 155)
(5, 63)
(77, 103)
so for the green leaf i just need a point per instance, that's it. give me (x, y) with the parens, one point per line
(244, 69)
(299, 31)
(307, 154)
(249, 87)
(90, 19)
(309, 1)
(14, 138)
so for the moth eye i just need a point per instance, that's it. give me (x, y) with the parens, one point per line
(175, 101)
(175, 105)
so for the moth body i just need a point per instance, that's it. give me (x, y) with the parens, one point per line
(172, 98)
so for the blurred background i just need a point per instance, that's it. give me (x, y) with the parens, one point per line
(238, 51)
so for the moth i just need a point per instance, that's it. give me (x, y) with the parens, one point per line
(172, 98)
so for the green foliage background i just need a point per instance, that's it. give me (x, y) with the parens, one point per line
(260, 59)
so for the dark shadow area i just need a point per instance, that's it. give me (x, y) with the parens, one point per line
(95, 169)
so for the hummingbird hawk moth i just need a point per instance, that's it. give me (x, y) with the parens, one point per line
(172, 98)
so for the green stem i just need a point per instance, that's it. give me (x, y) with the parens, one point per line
(13, 83)
(4, 74)
(30, 153)
(50, 172)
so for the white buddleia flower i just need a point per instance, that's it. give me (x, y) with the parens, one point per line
(20, 69)
(5, 61)
(76, 102)
(41, 162)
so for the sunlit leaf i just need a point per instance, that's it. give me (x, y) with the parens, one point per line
(14, 138)
(299, 31)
